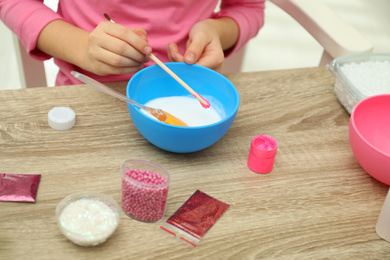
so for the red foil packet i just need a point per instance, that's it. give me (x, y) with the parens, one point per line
(195, 217)
(19, 187)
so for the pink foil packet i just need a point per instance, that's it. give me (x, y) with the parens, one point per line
(194, 218)
(19, 187)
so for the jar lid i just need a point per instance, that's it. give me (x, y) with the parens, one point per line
(61, 118)
(262, 153)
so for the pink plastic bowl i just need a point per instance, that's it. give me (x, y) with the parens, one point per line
(369, 136)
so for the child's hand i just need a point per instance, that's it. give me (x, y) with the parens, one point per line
(116, 49)
(203, 48)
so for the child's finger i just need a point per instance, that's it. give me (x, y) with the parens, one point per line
(173, 52)
(141, 32)
(195, 49)
(134, 37)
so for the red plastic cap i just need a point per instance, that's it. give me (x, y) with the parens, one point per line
(262, 154)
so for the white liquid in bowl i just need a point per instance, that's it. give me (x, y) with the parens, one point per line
(188, 109)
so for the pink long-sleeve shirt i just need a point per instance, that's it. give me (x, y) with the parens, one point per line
(164, 21)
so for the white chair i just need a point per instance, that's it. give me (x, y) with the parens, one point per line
(31, 71)
(336, 37)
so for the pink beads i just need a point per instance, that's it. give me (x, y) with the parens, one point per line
(144, 193)
(147, 177)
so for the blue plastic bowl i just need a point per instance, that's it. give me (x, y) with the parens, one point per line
(153, 82)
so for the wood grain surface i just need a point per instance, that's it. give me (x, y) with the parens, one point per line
(317, 203)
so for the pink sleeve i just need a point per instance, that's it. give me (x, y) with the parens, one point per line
(27, 18)
(249, 15)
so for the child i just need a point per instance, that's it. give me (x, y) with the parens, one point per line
(80, 38)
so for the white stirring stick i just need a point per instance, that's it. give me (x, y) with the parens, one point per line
(202, 101)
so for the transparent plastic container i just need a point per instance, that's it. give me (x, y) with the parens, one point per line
(367, 69)
(144, 190)
(88, 218)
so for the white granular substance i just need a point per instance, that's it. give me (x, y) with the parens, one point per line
(90, 221)
(370, 77)
(188, 109)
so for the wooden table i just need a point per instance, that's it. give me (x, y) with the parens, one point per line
(317, 203)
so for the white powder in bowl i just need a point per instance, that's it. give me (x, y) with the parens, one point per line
(188, 109)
